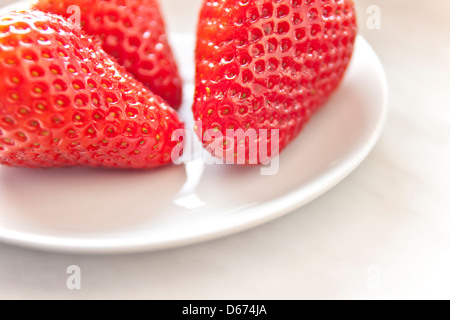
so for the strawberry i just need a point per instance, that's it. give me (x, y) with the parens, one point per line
(268, 65)
(133, 32)
(65, 102)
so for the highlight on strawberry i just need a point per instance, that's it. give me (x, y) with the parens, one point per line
(267, 65)
(65, 102)
(134, 33)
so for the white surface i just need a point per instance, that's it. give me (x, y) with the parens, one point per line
(382, 233)
(101, 211)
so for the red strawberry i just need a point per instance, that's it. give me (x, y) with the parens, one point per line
(133, 32)
(65, 102)
(269, 64)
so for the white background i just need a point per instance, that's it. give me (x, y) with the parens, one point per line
(382, 233)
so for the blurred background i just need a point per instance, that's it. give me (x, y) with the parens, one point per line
(382, 233)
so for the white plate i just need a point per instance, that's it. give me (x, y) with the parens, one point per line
(101, 211)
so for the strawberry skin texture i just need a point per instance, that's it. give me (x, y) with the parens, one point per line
(65, 102)
(133, 32)
(264, 64)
